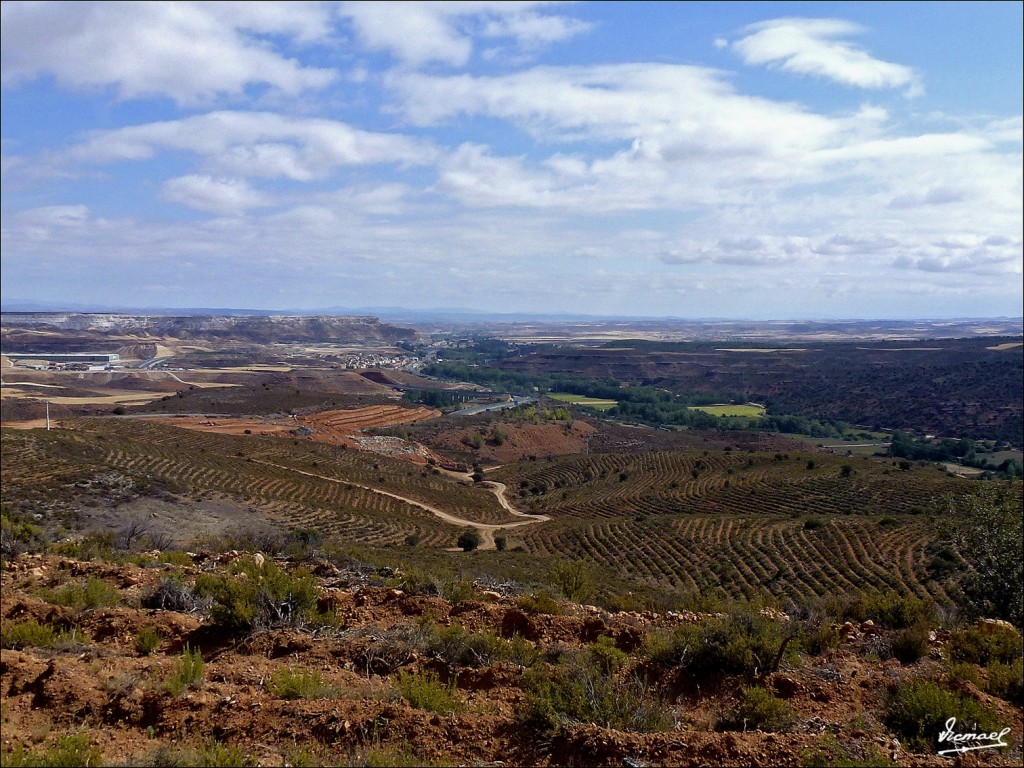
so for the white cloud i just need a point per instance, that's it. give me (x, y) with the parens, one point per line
(255, 144)
(222, 197)
(815, 47)
(189, 52)
(418, 33)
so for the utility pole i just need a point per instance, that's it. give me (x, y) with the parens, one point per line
(47, 415)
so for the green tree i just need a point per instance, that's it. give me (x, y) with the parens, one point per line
(988, 532)
(469, 540)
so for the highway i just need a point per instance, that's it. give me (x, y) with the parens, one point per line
(148, 365)
(473, 410)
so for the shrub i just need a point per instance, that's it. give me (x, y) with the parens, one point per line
(759, 710)
(148, 640)
(984, 646)
(390, 649)
(540, 602)
(173, 594)
(918, 712)
(830, 753)
(472, 649)
(573, 579)
(909, 645)
(214, 754)
(30, 633)
(188, 673)
(95, 593)
(522, 652)
(581, 691)
(69, 752)
(25, 634)
(960, 672)
(18, 535)
(469, 540)
(1007, 681)
(299, 684)
(605, 656)
(424, 690)
(742, 642)
(501, 543)
(818, 637)
(887, 609)
(211, 753)
(252, 596)
(174, 557)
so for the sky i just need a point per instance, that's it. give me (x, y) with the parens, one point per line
(748, 160)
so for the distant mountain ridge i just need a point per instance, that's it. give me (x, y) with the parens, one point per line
(20, 330)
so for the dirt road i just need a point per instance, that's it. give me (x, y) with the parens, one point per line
(486, 530)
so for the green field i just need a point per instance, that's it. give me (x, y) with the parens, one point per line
(750, 409)
(590, 402)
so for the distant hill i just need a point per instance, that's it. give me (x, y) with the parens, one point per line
(24, 332)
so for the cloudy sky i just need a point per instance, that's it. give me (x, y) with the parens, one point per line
(744, 160)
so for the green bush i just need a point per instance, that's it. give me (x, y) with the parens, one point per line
(69, 752)
(816, 638)
(299, 684)
(918, 710)
(759, 710)
(984, 646)
(830, 753)
(252, 596)
(605, 656)
(573, 580)
(174, 557)
(522, 652)
(742, 642)
(188, 673)
(911, 644)
(424, 690)
(962, 672)
(540, 601)
(148, 640)
(888, 609)
(30, 633)
(380, 757)
(212, 754)
(1006, 681)
(581, 691)
(454, 645)
(95, 593)
(26, 634)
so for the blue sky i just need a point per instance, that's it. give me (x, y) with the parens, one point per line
(739, 160)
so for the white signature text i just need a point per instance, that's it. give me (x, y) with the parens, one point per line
(968, 742)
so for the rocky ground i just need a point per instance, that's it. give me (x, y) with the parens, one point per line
(100, 684)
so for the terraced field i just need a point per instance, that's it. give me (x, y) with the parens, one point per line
(789, 525)
(295, 483)
(664, 521)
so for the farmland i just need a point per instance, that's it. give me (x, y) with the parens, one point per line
(596, 403)
(725, 409)
(672, 522)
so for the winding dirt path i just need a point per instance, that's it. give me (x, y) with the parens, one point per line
(486, 530)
